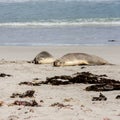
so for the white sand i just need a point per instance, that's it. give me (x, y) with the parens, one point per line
(81, 106)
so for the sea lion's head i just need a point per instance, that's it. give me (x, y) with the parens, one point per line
(58, 63)
(38, 60)
(43, 60)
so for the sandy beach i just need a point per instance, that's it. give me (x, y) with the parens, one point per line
(77, 102)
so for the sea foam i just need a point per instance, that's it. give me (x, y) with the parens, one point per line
(99, 22)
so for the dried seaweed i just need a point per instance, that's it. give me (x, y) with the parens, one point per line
(30, 83)
(100, 98)
(28, 93)
(102, 83)
(104, 87)
(59, 105)
(32, 103)
(4, 75)
(83, 77)
(118, 97)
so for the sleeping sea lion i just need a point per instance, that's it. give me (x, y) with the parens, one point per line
(43, 58)
(72, 59)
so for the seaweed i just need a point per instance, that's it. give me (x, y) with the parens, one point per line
(32, 103)
(100, 98)
(59, 105)
(30, 83)
(104, 87)
(4, 75)
(101, 82)
(83, 77)
(118, 97)
(28, 93)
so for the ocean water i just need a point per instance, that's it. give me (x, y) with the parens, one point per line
(59, 22)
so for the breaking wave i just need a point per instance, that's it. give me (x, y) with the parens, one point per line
(80, 22)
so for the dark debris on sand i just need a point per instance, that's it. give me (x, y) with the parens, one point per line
(102, 83)
(32, 103)
(100, 98)
(118, 97)
(30, 83)
(59, 105)
(5, 75)
(28, 93)
(83, 77)
(104, 87)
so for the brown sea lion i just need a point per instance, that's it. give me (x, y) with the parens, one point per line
(72, 59)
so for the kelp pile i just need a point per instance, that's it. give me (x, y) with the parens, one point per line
(102, 83)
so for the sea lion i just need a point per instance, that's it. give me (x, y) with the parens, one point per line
(72, 59)
(43, 58)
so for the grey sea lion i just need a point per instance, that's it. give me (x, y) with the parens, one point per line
(43, 58)
(72, 59)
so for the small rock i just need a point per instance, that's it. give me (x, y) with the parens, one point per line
(111, 40)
